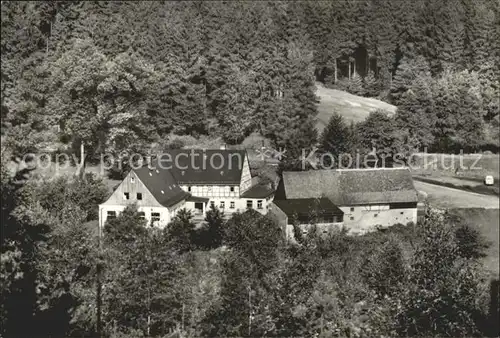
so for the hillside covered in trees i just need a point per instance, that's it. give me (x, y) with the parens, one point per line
(121, 75)
(114, 76)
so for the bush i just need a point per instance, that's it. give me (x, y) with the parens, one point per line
(471, 244)
(181, 231)
(440, 293)
(211, 234)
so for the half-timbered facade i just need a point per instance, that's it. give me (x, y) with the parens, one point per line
(193, 179)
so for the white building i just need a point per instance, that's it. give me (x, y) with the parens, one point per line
(366, 197)
(192, 179)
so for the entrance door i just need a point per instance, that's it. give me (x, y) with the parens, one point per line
(198, 206)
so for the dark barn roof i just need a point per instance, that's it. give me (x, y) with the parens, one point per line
(350, 186)
(198, 166)
(304, 207)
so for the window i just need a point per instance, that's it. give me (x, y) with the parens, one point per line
(259, 204)
(126, 195)
(155, 217)
(189, 189)
(231, 205)
(222, 204)
(139, 196)
(142, 214)
(111, 214)
(249, 204)
(402, 213)
(132, 179)
(375, 215)
(212, 204)
(352, 209)
(231, 189)
(352, 218)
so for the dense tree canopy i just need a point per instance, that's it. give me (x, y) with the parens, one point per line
(116, 75)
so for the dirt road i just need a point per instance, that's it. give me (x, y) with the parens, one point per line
(444, 197)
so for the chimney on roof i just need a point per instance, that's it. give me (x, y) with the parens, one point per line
(223, 147)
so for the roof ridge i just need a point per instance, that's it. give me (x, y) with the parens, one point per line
(347, 170)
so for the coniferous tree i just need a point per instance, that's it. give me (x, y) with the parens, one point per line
(336, 140)
(355, 85)
(416, 112)
(371, 85)
(215, 222)
(408, 70)
(181, 231)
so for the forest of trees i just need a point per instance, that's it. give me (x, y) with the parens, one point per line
(235, 277)
(111, 76)
(121, 75)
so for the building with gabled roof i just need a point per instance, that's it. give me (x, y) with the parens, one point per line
(192, 179)
(367, 197)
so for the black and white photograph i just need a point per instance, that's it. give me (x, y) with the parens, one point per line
(184, 169)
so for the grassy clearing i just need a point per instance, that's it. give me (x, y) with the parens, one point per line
(351, 107)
